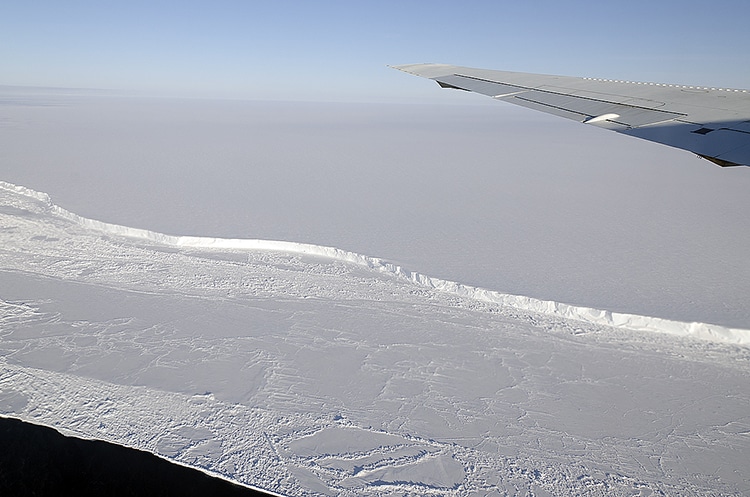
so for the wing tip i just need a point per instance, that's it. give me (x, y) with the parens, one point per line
(426, 70)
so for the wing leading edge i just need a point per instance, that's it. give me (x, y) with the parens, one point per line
(713, 123)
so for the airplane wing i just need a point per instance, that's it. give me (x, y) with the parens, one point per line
(713, 123)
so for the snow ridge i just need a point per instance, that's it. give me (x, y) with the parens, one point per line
(704, 331)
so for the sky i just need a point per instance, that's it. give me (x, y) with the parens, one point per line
(339, 50)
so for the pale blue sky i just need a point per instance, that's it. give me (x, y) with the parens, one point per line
(338, 50)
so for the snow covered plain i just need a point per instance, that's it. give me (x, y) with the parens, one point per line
(308, 370)
(488, 195)
(309, 374)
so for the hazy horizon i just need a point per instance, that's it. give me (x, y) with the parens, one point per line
(336, 50)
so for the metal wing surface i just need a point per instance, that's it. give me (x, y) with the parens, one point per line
(713, 123)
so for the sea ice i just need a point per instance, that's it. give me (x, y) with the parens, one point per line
(308, 370)
(325, 299)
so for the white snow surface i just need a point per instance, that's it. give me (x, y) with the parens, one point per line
(311, 370)
(271, 347)
(489, 195)
(586, 314)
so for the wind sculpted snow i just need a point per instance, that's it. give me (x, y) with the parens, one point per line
(311, 370)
